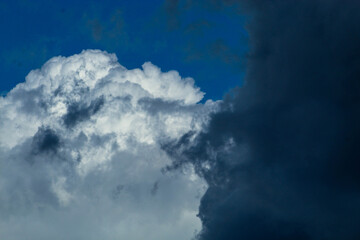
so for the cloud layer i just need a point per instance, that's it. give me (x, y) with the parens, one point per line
(81, 154)
(281, 157)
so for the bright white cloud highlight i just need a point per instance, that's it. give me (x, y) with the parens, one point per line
(81, 157)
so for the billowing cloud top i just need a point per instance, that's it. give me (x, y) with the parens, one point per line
(81, 154)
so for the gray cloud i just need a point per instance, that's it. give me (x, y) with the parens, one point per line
(45, 140)
(77, 113)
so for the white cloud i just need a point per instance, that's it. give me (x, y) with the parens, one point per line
(81, 157)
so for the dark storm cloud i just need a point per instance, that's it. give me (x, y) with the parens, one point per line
(282, 157)
(77, 112)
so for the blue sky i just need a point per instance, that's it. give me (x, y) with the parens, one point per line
(202, 43)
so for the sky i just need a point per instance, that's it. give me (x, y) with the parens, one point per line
(180, 119)
(197, 45)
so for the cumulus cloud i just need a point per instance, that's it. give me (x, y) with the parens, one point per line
(81, 154)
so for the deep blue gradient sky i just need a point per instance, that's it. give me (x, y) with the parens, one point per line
(202, 43)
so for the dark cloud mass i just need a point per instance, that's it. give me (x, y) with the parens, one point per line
(45, 140)
(281, 158)
(77, 112)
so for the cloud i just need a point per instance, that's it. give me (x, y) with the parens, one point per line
(45, 140)
(76, 113)
(81, 156)
(281, 157)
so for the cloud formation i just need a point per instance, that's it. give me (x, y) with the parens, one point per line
(281, 157)
(81, 156)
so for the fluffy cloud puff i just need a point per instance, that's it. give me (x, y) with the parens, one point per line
(81, 155)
